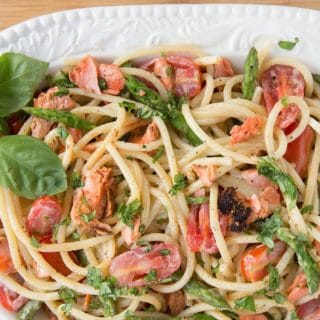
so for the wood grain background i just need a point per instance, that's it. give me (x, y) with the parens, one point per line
(14, 11)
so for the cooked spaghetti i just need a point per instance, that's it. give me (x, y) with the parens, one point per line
(191, 192)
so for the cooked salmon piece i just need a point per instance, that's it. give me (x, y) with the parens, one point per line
(151, 134)
(298, 289)
(206, 174)
(249, 128)
(93, 201)
(131, 235)
(223, 68)
(85, 75)
(113, 78)
(48, 100)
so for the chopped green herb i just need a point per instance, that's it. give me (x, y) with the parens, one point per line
(294, 316)
(268, 228)
(129, 106)
(274, 278)
(130, 158)
(66, 222)
(164, 252)
(75, 180)
(216, 268)
(151, 276)
(197, 200)
(246, 303)
(307, 209)
(288, 45)
(61, 80)
(34, 242)
(279, 298)
(126, 213)
(94, 277)
(68, 296)
(127, 64)
(102, 84)
(142, 228)
(161, 221)
(284, 101)
(87, 217)
(179, 184)
(94, 304)
(61, 92)
(66, 308)
(127, 192)
(62, 133)
(75, 235)
(158, 154)
(268, 167)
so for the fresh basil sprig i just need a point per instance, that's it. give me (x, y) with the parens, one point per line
(20, 76)
(29, 168)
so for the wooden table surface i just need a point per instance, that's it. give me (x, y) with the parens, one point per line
(14, 11)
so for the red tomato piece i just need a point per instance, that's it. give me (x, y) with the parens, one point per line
(54, 258)
(113, 77)
(199, 233)
(309, 310)
(6, 264)
(10, 300)
(131, 267)
(277, 82)
(43, 215)
(186, 75)
(255, 260)
(298, 151)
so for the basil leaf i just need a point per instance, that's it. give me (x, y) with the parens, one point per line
(4, 129)
(29, 168)
(20, 76)
(69, 119)
(288, 45)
